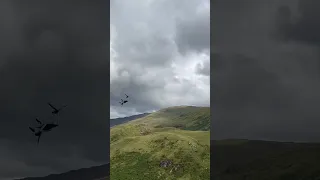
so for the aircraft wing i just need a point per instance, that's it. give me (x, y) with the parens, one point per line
(31, 129)
(38, 121)
(52, 106)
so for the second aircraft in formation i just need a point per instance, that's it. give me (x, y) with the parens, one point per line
(46, 127)
(124, 101)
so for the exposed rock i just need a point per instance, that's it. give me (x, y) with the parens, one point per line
(165, 163)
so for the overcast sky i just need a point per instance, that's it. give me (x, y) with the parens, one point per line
(159, 54)
(53, 51)
(266, 69)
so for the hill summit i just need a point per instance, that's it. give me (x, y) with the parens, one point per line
(172, 143)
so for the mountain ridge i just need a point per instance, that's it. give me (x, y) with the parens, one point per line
(90, 173)
(117, 121)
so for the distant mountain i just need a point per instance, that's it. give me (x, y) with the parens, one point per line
(117, 121)
(264, 160)
(92, 173)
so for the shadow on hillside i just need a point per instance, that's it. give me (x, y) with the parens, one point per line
(263, 160)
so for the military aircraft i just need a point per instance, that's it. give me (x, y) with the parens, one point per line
(42, 128)
(55, 110)
(124, 101)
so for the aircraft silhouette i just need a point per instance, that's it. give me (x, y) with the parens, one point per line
(55, 110)
(42, 128)
(124, 101)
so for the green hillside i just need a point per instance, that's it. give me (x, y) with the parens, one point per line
(179, 135)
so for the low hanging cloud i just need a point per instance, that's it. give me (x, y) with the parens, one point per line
(266, 79)
(159, 55)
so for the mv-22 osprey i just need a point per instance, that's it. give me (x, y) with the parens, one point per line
(45, 127)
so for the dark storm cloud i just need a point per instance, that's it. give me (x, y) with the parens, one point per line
(58, 53)
(302, 28)
(247, 97)
(265, 87)
(194, 34)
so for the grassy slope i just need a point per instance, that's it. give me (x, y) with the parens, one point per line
(263, 160)
(179, 134)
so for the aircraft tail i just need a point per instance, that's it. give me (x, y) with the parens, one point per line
(39, 138)
(56, 121)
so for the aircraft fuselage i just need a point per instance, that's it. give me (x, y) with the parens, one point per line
(49, 127)
(38, 133)
(55, 112)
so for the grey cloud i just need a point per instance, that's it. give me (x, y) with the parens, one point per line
(61, 58)
(203, 69)
(193, 34)
(150, 51)
(248, 98)
(302, 29)
(150, 38)
(271, 90)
